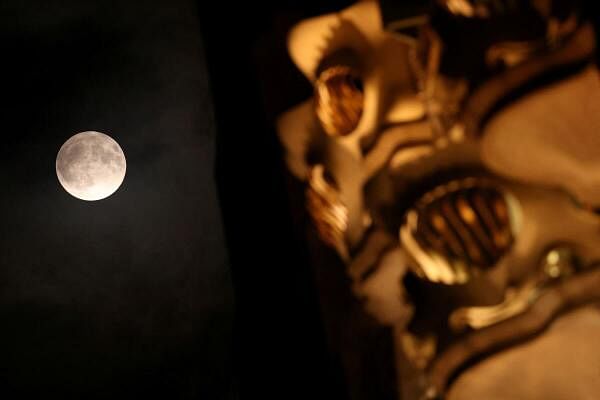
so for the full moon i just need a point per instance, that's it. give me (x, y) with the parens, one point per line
(90, 166)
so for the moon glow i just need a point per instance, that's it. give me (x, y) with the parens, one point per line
(90, 166)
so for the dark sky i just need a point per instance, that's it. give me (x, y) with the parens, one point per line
(131, 295)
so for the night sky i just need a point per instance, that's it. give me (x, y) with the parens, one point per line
(129, 296)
